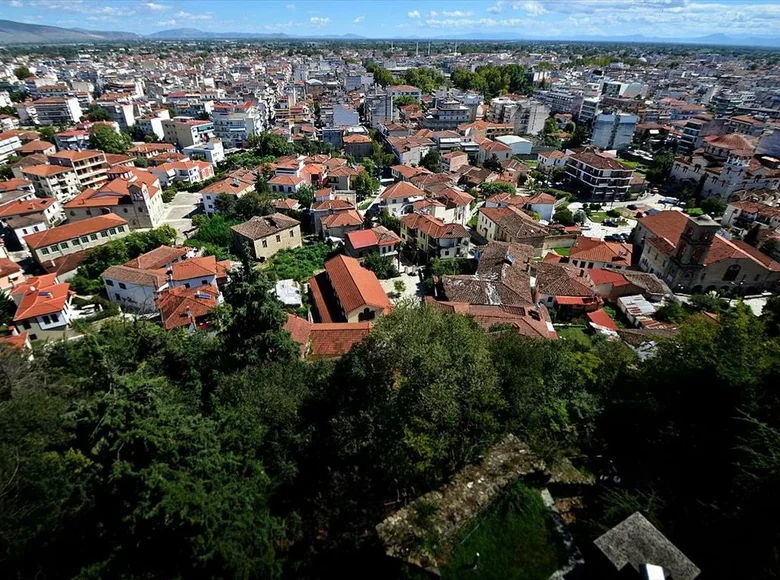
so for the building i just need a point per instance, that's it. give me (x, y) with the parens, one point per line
(399, 195)
(131, 193)
(90, 165)
(149, 150)
(566, 288)
(237, 186)
(447, 115)
(28, 216)
(435, 238)
(325, 340)
(518, 145)
(211, 151)
(185, 131)
(613, 130)
(266, 235)
(43, 308)
(73, 140)
(287, 184)
(11, 275)
(184, 172)
(52, 111)
(725, 165)
(511, 224)
(191, 308)
(405, 91)
(76, 237)
(347, 292)
(599, 176)
(689, 255)
(377, 240)
(9, 145)
(135, 284)
(54, 181)
(233, 124)
(595, 253)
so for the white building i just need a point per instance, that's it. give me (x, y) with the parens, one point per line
(235, 123)
(613, 131)
(211, 151)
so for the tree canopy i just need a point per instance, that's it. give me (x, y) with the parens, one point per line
(106, 139)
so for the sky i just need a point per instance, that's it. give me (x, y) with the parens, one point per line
(411, 18)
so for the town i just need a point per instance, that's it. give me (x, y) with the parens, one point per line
(520, 244)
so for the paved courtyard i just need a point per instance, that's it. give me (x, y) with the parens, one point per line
(180, 211)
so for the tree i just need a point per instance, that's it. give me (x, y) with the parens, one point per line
(250, 321)
(380, 157)
(577, 138)
(662, 166)
(382, 76)
(382, 266)
(404, 100)
(47, 133)
(365, 185)
(399, 286)
(22, 72)
(105, 138)
(305, 196)
(270, 144)
(549, 133)
(752, 235)
(17, 96)
(98, 113)
(580, 217)
(494, 187)
(770, 247)
(713, 206)
(390, 221)
(493, 164)
(432, 160)
(563, 216)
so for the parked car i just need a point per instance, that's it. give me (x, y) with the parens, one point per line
(632, 206)
(612, 238)
(611, 223)
(669, 200)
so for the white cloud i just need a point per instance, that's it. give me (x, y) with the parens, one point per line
(413, 14)
(317, 21)
(171, 22)
(157, 7)
(456, 14)
(16, 4)
(477, 23)
(497, 8)
(359, 19)
(191, 16)
(532, 8)
(433, 14)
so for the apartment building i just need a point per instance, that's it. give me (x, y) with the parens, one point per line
(599, 176)
(51, 111)
(233, 124)
(76, 237)
(55, 181)
(152, 124)
(9, 144)
(73, 140)
(120, 110)
(211, 151)
(90, 165)
(447, 115)
(186, 131)
(613, 130)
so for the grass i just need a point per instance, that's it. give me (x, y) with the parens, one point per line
(562, 251)
(617, 316)
(365, 205)
(575, 334)
(598, 216)
(298, 263)
(515, 538)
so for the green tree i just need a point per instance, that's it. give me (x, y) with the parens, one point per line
(549, 133)
(382, 266)
(305, 196)
(432, 160)
(577, 138)
(105, 138)
(563, 216)
(492, 188)
(404, 100)
(661, 167)
(98, 113)
(713, 206)
(270, 144)
(22, 72)
(493, 164)
(47, 133)
(250, 321)
(770, 247)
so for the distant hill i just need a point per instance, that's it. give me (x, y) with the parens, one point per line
(195, 34)
(21, 33)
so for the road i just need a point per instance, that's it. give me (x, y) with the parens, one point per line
(180, 211)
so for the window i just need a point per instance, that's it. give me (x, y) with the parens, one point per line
(64, 245)
(731, 273)
(123, 286)
(75, 242)
(292, 233)
(72, 212)
(116, 295)
(84, 239)
(46, 319)
(44, 251)
(104, 234)
(93, 237)
(26, 324)
(278, 238)
(109, 282)
(186, 284)
(265, 243)
(35, 229)
(33, 336)
(112, 231)
(124, 210)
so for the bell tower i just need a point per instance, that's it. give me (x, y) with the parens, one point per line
(690, 255)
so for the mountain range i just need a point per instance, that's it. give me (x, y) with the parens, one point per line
(21, 33)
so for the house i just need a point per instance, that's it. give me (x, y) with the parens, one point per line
(203, 271)
(399, 195)
(287, 184)
(347, 292)
(131, 193)
(11, 274)
(322, 209)
(406, 173)
(529, 320)
(613, 284)
(43, 308)
(149, 150)
(598, 175)
(456, 203)
(502, 277)
(493, 151)
(510, 224)
(9, 144)
(405, 91)
(235, 186)
(543, 204)
(47, 210)
(55, 181)
(185, 172)
(377, 240)
(37, 146)
(746, 214)
(337, 225)
(76, 237)
(595, 253)
(689, 255)
(73, 140)
(13, 187)
(566, 287)
(357, 145)
(266, 235)
(434, 237)
(454, 160)
(636, 549)
(325, 340)
(134, 284)
(187, 307)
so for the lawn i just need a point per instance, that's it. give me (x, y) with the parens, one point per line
(366, 204)
(598, 216)
(563, 251)
(299, 263)
(515, 539)
(574, 333)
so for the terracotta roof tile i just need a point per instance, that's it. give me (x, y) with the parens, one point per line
(355, 286)
(74, 230)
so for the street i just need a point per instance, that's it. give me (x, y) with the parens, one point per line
(180, 211)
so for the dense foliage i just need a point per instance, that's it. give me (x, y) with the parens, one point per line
(491, 80)
(214, 235)
(106, 139)
(299, 263)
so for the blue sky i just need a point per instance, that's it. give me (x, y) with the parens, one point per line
(402, 18)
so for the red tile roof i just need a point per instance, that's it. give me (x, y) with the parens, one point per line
(23, 207)
(355, 286)
(601, 318)
(326, 340)
(378, 236)
(182, 306)
(343, 219)
(40, 301)
(595, 250)
(8, 267)
(194, 268)
(433, 227)
(74, 230)
(402, 189)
